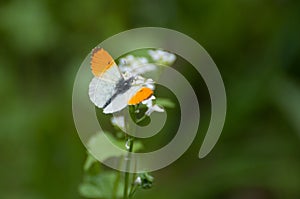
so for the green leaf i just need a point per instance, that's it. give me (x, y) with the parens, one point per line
(90, 191)
(90, 160)
(132, 113)
(101, 185)
(145, 121)
(166, 103)
(137, 146)
(98, 144)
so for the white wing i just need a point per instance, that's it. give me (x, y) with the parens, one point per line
(112, 74)
(100, 91)
(121, 100)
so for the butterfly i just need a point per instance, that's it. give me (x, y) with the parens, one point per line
(110, 89)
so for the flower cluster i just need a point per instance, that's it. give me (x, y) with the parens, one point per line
(162, 57)
(136, 66)
(151, 106)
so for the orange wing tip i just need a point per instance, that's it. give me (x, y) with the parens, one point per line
(96, 49)
(143, 94)
(101, 61)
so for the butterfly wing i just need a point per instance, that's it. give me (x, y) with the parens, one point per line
(107, 75)
(135, 95)
(104, 66)
(142, 94)
(100, 91)
(121, 100)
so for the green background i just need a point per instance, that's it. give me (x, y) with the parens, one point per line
(255, 44)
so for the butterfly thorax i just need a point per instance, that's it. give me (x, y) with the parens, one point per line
(122, 86)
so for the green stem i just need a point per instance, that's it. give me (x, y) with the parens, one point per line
(132, 191)
(116, 185)
(141, 119)
(133, 186)
(125, 195)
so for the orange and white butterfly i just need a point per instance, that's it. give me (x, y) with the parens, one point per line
(110, 89)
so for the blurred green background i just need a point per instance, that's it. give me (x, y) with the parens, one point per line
(255, 44)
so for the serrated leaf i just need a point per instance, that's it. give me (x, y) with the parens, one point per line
(102, 185)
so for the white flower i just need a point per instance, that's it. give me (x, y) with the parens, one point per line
(149, 83)
(118, 121)
(135, 65)
(162, 56)
(152, 107)
(132, 66)
(138, 181)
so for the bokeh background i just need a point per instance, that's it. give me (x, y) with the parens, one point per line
(255, 44)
